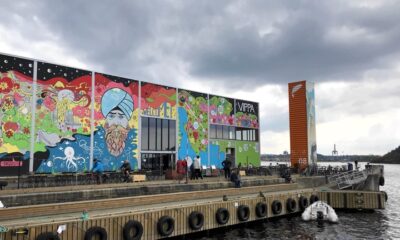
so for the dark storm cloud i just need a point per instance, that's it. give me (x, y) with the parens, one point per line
(237, 42)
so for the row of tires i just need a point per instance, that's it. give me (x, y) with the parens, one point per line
(133, 230)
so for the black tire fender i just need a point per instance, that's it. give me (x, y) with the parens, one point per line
(381, 181)
(243, 213)
(93, 231)
(276, 207)
(48, 236)
(165, 225)
(222, 216)
(291, 205)
(313, 199)
(133, 230)
(261, 210)
(303, 203)
(196, 220)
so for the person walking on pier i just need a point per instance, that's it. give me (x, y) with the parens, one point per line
(227, 168)
(196, 167)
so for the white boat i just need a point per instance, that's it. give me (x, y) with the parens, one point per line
(320, 211)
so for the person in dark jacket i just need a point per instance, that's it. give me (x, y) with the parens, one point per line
(227, 164)
(235, 178)
(126, 169)
(98, 169)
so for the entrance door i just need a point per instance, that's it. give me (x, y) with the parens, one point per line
(230, 154)
(158, 162)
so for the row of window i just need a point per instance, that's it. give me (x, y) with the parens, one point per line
(160, 134)
(232, 133)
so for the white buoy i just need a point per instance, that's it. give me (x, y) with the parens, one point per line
(320, 211)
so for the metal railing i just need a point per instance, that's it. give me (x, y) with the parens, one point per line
(348, 179)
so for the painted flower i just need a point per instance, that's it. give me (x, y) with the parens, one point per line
(26, 130)
(6, 85)
(7, 103)
(9, 133)
(11, 126)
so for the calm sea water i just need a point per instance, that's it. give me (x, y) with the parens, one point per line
(380, 224)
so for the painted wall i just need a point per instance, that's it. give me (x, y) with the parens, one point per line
(312, 140)
(193, 125)
(221, 110)
(246, 114)
(16, 90)
(248, 153)
(218, 151)
(116, 121)
(62, 119)
(158, 101)
(73, 111)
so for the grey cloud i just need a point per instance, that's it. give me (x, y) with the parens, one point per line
(256, 42)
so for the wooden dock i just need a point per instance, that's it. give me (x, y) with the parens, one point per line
(174, 214)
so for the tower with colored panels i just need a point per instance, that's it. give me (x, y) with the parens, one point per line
(303, 147)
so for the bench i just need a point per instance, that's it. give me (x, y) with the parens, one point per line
(138, 177)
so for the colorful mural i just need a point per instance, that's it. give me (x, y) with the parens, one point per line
(193, 125)
(218, 151)
(116, 121)
(248, 153)
(221, 110)
(62, 119)
(158, 101)
(16, 88)
(246, 114)
(312, 141)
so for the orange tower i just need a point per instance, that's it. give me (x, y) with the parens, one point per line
(303, 147)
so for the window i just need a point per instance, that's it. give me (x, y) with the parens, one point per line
(145, 133)
(152, 133)
(246, 134)
(158, 134)
(165, 135)
(172, 135)
(213, 131)
(219, 131)
(225, 132)
(231, 132)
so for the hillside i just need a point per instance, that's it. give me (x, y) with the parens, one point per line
(390, 157)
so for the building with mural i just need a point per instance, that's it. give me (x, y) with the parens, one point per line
(303, 144)
(56, 119)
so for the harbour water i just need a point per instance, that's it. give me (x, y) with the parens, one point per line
(380, 224)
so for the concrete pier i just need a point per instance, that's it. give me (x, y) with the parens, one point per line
(180, 210)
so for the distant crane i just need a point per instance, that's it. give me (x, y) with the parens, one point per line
(334, 152)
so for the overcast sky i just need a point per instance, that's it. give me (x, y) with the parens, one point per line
(243, 49)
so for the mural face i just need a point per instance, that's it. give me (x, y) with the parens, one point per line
(62, 119)
(312, 142)
(246, 114)
(221, 110)
(158, 101)
(193, 125)
(116, 121)
(16, 86)
(218, 151)
(248, 153)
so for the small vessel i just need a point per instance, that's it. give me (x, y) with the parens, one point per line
(320, 211)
